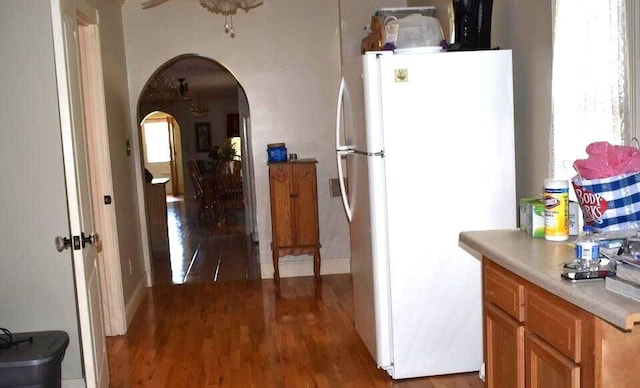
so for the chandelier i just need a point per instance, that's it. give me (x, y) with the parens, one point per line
(162, 89)
(228, 8)
(198, 108)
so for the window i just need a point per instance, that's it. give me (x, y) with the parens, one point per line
(633, 31)
(156, 141)
(590, 81)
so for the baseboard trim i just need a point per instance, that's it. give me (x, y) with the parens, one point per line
(136, 298)
(297, 268)
(73, 383)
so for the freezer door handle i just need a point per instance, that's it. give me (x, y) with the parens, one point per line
(341, 150)
(345, 150)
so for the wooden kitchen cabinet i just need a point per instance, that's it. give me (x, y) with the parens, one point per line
(294, 212)
(504, 358)
(560, 347)
(575, 335)
(546, 367)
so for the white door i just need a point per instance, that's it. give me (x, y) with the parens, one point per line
(64, 14)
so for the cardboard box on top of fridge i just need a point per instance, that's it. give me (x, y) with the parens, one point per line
(532, 217)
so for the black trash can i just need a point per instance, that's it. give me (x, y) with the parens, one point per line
(35, 363)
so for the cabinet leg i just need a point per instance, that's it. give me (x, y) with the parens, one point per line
(316, 263)
(276, 268)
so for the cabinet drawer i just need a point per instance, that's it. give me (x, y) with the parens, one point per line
(555, 321)
(504, 290)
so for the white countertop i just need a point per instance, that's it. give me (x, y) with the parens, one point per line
(159, 181)
(540, 262)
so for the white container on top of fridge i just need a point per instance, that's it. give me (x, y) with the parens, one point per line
(434, 158)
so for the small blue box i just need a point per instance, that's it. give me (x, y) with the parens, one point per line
(277, 152)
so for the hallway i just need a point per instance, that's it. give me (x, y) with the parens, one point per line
(204, 253)
(209, 321)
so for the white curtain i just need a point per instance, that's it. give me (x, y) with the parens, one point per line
(589, 79)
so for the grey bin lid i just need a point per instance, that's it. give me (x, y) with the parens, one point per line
(47, 346)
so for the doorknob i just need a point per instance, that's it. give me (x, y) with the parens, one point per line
(91, 239)
(62, 243)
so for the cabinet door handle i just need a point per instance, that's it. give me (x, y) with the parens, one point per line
(293, 195)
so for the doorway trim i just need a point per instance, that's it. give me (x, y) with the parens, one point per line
(138, 154)
(176, 168)
(113, 308)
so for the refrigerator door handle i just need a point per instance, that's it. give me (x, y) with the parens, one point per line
(341, 150)
(345, 150)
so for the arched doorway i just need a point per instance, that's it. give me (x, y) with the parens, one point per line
(211, 109)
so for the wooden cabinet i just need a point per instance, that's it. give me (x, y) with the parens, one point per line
(504, 358)
(294, 212)
(546, 367)
(575, 335)
(532, 338)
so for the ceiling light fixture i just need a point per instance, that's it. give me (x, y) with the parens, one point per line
(199, 108)
(162, 89)
(228, 8)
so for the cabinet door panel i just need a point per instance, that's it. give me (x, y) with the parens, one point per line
(306, 210)
(547, 367)
(281, 204)
(504, 350)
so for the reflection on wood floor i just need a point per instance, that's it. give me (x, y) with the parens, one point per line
(244, 332)
(250, 333)
(204, 253)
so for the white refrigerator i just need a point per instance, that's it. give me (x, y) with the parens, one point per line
(434, 157)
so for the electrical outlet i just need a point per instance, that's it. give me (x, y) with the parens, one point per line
(334, 187)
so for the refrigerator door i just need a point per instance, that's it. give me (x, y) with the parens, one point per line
(447, 127)
(352, 151)
(369, 257)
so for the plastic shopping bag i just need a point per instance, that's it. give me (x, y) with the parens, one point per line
(611, 203)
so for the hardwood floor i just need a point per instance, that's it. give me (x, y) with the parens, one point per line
(250, 333)
(204, 253)
(247, 332)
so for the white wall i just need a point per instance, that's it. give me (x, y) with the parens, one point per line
(36, 282)
(286, 57)
(525, 27)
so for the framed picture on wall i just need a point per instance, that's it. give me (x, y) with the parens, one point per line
(233, 125)
(203, 137)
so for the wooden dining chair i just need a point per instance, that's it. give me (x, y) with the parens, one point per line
(228, 187)
(203, 193)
